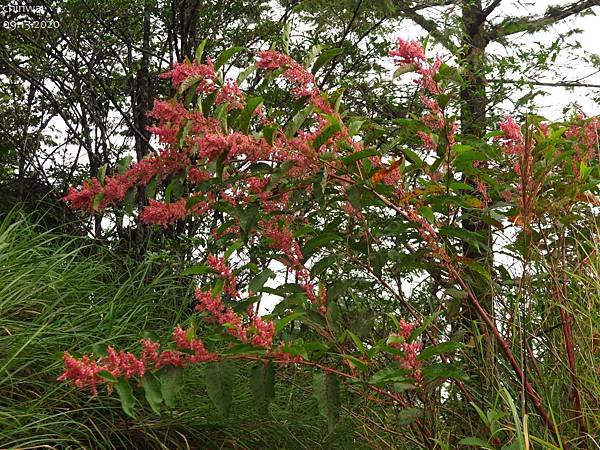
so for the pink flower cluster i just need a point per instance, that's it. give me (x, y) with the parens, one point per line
(302, 80)
(88, 372)
(586, 133)
(409, 359)
(412, 53)
(164, 214)
(220, 266)
(512, 140)
(231, 94)
(408, 52)
(204, 72)
(261, 332)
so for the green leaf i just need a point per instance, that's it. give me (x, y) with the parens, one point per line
(232, 248)
(326, 389)
(246, 73)
(126, 395)
(225, 55)
(355, 126)
(188, 83)
(390, 375)
(285, 37)
(312, 54)
(262, 383)
(444, 347)
(200, 269)
(152, 391)
(357, 363)
(171, 382)
(129, 201)
(322, 265)
(268, 133)
(174, 189)
(405, 68)
(347, 160)
(355, 196)
(443, 371)
(97, 200)
(427, 212)
(102, 174)
(151, 187)
(327, 133)
(475, 442)
(259, 280)
(297, 120)
(105, 374)
(218, 377)
(251, 104)
(248, 218)
(359, 344)
(281, 323)
(456, 293)
(319, 241)
(200, 50)
(324, 58)
(124, 164)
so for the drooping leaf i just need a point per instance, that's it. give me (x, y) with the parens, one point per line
(259, 280)
(444, 347)
(197, 270)
(262, 382)
(171, 382)
(281, 323)
(444, 371)
(322, 265)
(347, 160)
(246, 115)
(152, 391)
(126, 396)
(319, 241)
(102, 174)
(297, 120)
(218, 377)
(328, 132)
(324, 58)
(326, 389)
(200, 50)
(225, 55)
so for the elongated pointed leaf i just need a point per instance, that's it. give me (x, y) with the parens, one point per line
(327, 133)
(326, 389)
(152, 392)
(324, 58)
(226, 56)
(246, 115)
(296, 122)
(200, 50)
(262, 382)
(171, 382)
(126, 395)
(444, 347)
(259, 280)
(218, 377)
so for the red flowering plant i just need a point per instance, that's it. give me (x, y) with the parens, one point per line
(341, 217)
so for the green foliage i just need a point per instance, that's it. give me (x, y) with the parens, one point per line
(326, 389)
(219, 385)
(262, 380)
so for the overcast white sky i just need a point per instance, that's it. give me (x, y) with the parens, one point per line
(552, 105)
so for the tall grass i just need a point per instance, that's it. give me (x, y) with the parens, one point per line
(60, 293)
